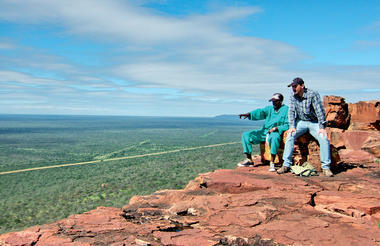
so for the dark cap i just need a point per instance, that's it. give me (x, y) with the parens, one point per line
(296, 81)
(277, 96)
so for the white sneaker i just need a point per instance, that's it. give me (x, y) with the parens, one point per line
(271, 167)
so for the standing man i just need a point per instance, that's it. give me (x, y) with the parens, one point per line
(306, 113)
(276, 122)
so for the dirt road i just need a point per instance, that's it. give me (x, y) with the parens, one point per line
(115, 159)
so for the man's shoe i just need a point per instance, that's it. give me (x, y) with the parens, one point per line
(283, 169)
(327, 172)
(245, 163)
(271, 167)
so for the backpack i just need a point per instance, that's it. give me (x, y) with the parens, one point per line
(305, 170)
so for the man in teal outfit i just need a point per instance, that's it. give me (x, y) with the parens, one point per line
(276, 122)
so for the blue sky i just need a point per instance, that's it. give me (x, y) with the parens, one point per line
(182, 58)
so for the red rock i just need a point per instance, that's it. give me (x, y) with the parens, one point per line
(27, 237)
(347, 203)
(354, 140)
(365, 115)
(191, 237)
(356, 156)
(236, 207)
(336, 137)
(372, 145)
(337, 113)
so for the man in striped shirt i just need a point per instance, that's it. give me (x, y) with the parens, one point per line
(306, 113)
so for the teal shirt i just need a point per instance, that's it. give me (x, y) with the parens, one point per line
(272, 118)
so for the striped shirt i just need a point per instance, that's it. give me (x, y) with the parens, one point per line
(307, 108)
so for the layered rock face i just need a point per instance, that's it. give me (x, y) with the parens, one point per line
(359, 139)
(249, 206)
(365, 115)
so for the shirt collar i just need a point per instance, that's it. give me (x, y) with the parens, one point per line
(304, 96)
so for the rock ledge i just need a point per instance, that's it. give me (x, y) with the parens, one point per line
(243, 206)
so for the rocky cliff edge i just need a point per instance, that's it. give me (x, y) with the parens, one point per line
(243, 206)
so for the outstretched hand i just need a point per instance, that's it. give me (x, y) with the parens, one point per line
(245, 116)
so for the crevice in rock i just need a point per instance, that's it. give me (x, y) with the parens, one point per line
(311, 202)
(203, 185)
(177, 227)
(62, 230)
(80, 238)
(341, 211)
(35, 242)
(141, 217)
(183, 213)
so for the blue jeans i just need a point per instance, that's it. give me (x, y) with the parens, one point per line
(301, 128)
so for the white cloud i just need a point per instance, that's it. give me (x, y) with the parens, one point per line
(17, 77)
(206, 56)
(162, 62)
(119, 19)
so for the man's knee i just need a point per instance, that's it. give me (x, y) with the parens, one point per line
(245, 135)
(275, 136)
(322, 139)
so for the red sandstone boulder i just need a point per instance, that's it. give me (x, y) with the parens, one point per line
(337, 113)
(356, 157)
(355, 139)
(372, 145)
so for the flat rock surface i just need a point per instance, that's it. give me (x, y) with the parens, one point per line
(242, 206)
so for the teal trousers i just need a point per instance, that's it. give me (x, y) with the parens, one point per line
(258, 136)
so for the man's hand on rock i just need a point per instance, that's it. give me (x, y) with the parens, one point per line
(322, 132)
(292, 131)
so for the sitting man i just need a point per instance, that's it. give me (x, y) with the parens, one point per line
(276, 122)
(306, 113)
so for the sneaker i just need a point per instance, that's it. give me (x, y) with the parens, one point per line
(283, 169)
(271, 167)
(245, 163)
(327, 172)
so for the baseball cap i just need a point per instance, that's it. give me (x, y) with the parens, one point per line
(277, 96)
(296, 81)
